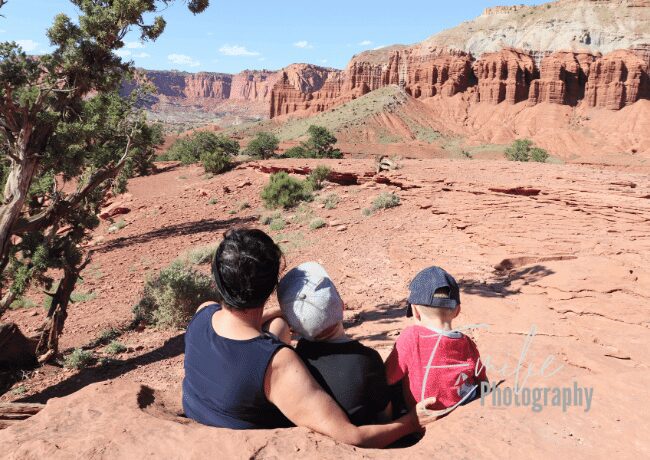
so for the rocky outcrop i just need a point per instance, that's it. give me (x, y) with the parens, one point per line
(617, 80)
(509, 76)
(202, 85)
(253, 85)
(563, 77)
(600, 26)
(305, 87)
(504, 76)
(420, 74)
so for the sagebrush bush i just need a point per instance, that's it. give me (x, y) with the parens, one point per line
(385, 200)
(331, 201)
(115, 348)
(78, 359)
(523, 150)
(277, 224)
(215, 162)
(201, 255)
(316, 224)
(285, 191)
(318, 175)
(171, 298)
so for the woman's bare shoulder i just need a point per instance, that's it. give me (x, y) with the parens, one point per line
(205, 304)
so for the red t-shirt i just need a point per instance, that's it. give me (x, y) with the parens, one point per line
(453, 360)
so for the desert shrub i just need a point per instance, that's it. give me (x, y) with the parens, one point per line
(385, 200)
(285, 191)
(200, 256)
(317, 176)
(538, 155)
(80, 297)
(115, 348)
(267, 219)
(119, 225)
(171, 298)
(188, 150)
(22, 302)
(523, 150)
(296, 152)
(215, 162)
(277, 224)
(316, 224)
(331, 201)
(78, 359)
(319, 145)
(263, 146)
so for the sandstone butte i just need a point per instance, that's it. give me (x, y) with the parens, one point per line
(594, 53)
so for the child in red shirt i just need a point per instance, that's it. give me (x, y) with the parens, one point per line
(430, 358)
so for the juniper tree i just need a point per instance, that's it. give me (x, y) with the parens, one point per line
(65, 136)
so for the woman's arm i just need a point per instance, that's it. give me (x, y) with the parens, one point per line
(289, 385)
(270, 314)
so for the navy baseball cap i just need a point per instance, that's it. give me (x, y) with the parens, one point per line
(424, 286)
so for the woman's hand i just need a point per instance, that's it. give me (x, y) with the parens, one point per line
(423, 413)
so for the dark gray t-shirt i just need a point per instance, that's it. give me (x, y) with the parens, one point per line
(352, 374)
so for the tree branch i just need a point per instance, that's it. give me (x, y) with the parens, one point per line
(60, 208)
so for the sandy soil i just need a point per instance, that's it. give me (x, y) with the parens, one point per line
(562, 250)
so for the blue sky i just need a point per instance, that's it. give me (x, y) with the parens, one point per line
(233, 36)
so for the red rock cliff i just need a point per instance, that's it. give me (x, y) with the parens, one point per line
(618, 79)
(509, 76)
(504, 76)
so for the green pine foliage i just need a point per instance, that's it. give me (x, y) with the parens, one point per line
(319, 145)
(263, 146)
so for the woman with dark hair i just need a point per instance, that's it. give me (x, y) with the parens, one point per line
(238, 376)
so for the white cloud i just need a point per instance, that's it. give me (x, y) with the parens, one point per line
(323, 61)
(28, 45)
(365, 43)
(123, 53)
(134, 45)
(379, 47)
(303, 44)
(236, 50)
(184, 60)
(142, 55)
(2, 31)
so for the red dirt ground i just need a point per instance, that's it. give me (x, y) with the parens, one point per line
(571, 260)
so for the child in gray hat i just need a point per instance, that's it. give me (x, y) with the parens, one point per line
(353, 374)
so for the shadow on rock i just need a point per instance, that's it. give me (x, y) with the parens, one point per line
(186, 228)
(502, 285)
(171, 348)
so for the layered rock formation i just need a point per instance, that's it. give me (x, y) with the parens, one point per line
(253, 85)
(598, 26)
(592, 52)
(504, 76)
(618, 79)
(563, 77)
(304, 87)
(509, 76)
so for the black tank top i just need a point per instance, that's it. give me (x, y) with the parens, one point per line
(224, 378)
